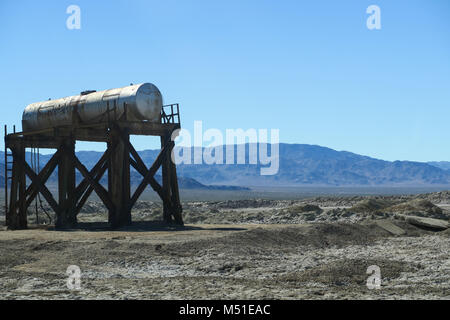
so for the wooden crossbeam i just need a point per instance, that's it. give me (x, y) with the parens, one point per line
(101, 192)
(81, 188)
(171, 203)
(151, 172)
(42, 188)
(138, 164)
(90, 189)
(140, 167)
(152, 181)
(46, 172)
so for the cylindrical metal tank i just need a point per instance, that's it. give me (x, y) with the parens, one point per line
(142, 101)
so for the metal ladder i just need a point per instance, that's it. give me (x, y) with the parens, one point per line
(8, 169)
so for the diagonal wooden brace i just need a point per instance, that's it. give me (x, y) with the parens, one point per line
(84, 185)
(151, 172)
(142, 170)
(46, 172)
(90, 189)
(101, 192)
(140, 167)
(42, 188)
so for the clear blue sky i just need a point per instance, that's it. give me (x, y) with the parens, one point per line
(310, 68)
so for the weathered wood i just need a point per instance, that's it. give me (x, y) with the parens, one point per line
(101, 192)
(150, 173)
(89, 190)
(16, 217)
(22, 217)
(52, 137)
(167, 204)
(66, 186)
(83, 186)
(42, 188)
(117, 159)
(170, 195)
(45, 173)
(97, 171)
(176, 204)
(6, 176)
(140, 167)
(119, 186)
(151, 180)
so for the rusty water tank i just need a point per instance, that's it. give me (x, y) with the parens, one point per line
(143, 102)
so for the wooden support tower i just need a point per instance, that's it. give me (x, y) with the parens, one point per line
(118, 158)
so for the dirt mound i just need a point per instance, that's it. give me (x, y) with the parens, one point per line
(349, 272)
(339, 234)
(10, 258)
(320, 235)
(419, 207)
(442, 197)
(371, 205)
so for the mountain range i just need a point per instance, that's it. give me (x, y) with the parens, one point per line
(299, 165)
(444, 165)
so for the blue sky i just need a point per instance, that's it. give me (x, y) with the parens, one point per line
(311, 69)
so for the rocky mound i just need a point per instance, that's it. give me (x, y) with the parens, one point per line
(349, 271)
(305, 208)
(442, 197)
(419, 207)
(371, 205)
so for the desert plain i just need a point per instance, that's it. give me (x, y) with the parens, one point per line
(307, 248)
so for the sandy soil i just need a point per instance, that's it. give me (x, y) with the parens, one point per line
(232, 250)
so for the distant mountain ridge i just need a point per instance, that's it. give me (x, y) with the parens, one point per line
(444, 165)
(300, 165)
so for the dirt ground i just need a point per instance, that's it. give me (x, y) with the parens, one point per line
(318, 248)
